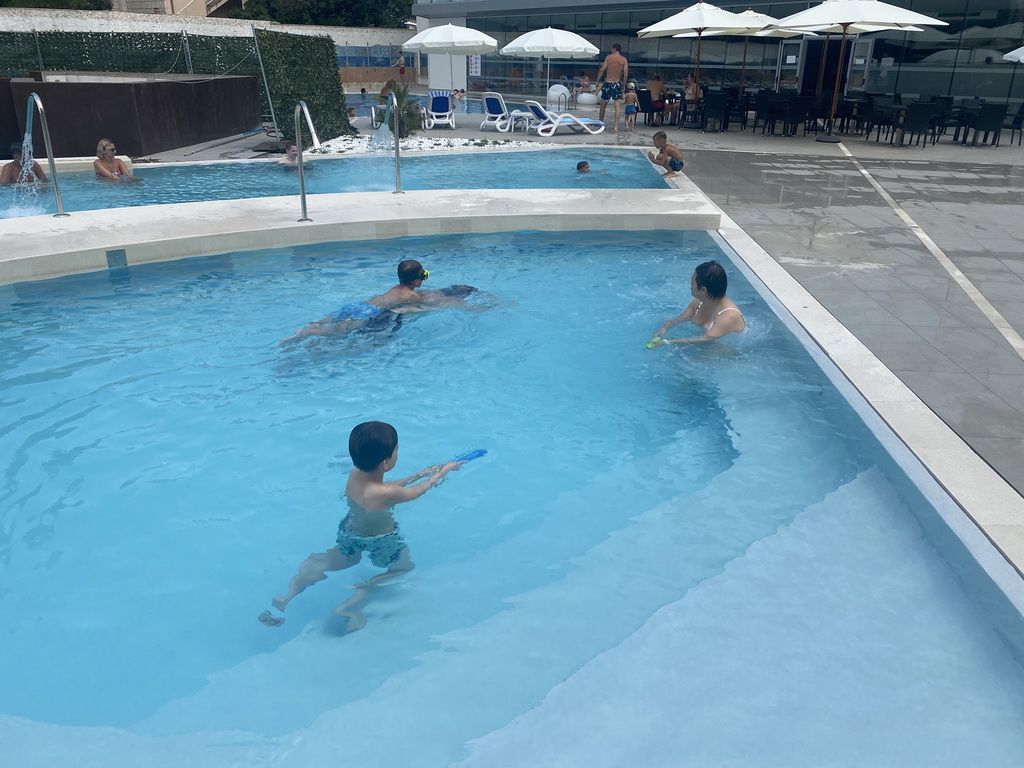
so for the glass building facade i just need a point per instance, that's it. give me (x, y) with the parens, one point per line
(963, 59)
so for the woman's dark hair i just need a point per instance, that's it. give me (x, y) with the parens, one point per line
(409, 271)
(370, 443)
(711, 275)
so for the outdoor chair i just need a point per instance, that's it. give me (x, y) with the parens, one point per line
(440, 110)
(545, 122)
(737, 109)
(498, 116)
(715, 108)
(797, 112)
(989, 120)
(646, 106)
(880, 115)
(918, 121)
(1015, 124)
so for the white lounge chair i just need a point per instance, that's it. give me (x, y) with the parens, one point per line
(497, 114)
(547, 122)
(440, 109)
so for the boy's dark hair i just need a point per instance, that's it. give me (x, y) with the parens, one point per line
(581, 165)
(409, 271)
(370, 443)
(660, 135)
(616, 47)
(16, 148)
(711, 275)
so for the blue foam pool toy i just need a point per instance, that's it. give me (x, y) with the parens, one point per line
(469, 456)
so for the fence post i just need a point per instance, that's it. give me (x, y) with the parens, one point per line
(39, 51)
(188, 51)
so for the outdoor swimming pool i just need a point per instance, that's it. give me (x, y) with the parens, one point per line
(678, 557)
(541, 169)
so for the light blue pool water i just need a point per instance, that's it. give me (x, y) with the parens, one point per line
(543, 169)
(692, 556)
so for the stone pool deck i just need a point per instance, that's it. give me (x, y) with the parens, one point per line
(904, 265)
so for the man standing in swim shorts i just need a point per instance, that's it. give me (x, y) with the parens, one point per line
(611, 79)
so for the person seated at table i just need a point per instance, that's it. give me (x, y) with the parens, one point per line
(692, 91)
(108, 166)
(11, 172)
(660, 102)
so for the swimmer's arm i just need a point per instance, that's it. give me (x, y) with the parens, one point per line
(400, 494)
(687, 314)
(38, 172)
(418, 476)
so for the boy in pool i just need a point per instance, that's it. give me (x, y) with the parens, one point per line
(369, 526)
(584, 167)
(669, 157)
(380, 312)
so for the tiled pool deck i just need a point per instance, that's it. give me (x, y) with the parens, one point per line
(936, 296)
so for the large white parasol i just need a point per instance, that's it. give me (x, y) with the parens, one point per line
(852, 13)
(452, 40)
(700, 19)
(550, 43)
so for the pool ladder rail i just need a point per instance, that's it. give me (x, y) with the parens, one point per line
(301, 110)
(35, 102)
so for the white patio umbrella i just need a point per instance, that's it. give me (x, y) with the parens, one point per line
(1015, 55)
(700, 19)
(761, 25)
(452, 40)
(851, 13)
(550, 42)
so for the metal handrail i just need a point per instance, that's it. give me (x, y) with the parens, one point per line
(34, 101)
(393, 104)
(302, 109)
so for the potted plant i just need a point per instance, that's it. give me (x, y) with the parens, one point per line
(410, 119)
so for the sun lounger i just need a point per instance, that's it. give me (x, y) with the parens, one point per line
(547, 122)
(496, 114)
(440, 109)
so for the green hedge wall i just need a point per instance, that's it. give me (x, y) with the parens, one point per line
(298, 66)
(304, 67)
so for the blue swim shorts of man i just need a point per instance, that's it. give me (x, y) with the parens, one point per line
(611, 91)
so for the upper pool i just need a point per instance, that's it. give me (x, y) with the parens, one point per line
(541, 169)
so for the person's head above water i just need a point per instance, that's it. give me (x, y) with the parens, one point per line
(15, 150)
(583, 166)
(711, 276)
(371, 443)
(410, 270)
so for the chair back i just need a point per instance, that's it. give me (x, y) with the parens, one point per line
(644, 98)
(990, 117)
(538, 111)
(440, 102)
(494, 104)
(715, 105)
(918, 118)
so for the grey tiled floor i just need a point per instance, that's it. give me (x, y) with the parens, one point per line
(822, 220)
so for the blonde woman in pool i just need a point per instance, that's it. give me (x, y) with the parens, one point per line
(710, 309)
(108, 166)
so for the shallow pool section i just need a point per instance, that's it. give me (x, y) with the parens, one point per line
(541, 169)
(689, 556)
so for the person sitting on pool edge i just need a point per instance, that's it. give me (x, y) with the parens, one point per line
(12, 171)
(370, 526)
(380, 312)
(108, 166)
(669, 157)
(710, 309)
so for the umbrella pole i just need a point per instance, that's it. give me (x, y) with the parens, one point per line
(743, 70)
(696, 77)
(822, 63)
(547, 83)
(828, 137)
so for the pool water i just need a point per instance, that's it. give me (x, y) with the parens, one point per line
(689, 556)
(541, 169)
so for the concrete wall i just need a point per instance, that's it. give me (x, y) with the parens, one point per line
(40, 19)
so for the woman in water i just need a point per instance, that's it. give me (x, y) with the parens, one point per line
(710, 309)
(108, 165)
